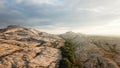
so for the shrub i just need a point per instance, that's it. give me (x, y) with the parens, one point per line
(68, 56)
(65, 63)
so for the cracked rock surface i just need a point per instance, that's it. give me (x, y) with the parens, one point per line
(28, 48)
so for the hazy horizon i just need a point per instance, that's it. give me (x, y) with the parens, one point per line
(94, 17)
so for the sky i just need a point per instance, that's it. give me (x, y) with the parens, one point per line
(99, 17)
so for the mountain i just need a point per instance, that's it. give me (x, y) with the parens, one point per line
(22, 47)
(95, 51)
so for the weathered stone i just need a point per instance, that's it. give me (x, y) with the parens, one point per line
(19, 48)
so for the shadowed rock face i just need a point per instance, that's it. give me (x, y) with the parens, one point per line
(95, 51)
(28, 48)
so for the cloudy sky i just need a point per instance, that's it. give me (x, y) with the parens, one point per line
(58, 16)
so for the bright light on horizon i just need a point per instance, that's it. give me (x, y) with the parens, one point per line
(108, 29)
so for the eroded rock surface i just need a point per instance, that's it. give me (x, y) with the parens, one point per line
(28, 48)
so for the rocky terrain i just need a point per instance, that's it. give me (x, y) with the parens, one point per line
(28, 48)
(95, 51)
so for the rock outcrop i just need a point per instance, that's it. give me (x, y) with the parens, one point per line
(28, 48)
